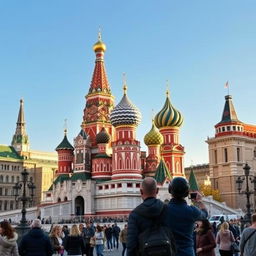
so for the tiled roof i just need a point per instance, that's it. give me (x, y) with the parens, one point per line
(9, 152)
(80, 176)
(162, 173)
(65, 144)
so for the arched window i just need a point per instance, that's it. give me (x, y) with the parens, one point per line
(18, 178)
(238, 154)
(134, 163)
(101, 167)
(59, 200)
(225, 155)
(1, 178)
(108, 169)
(7, 179)
(127, 163)
(120, 163)
(13, 179)
(65, 199)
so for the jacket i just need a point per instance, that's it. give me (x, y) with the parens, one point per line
(123, 236)
(9, 247)
(206, 242)
(224, 240)
(74, 245)
(55, 244)
(181, 220)
(141, 218)
(249, 249)
(35, 243)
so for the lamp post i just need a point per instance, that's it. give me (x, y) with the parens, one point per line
(240, 180)
(24, 192)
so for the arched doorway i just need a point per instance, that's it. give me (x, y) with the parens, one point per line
(79, 206)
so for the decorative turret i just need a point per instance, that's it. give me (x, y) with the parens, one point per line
(168, 115)
(229, 122)
(162, 173)
(125, 113)
(99, 100)
(65, 155)
(153, 139)
(20, 139)
(126, 161)
(169, 120)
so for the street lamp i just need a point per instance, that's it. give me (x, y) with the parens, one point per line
(239, 181)
(24, 192)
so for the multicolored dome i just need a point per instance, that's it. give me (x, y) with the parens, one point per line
(103, 136)
(153, 137)
(168, 115)
(125, 113)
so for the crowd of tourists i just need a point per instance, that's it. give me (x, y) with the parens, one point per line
(154, 228)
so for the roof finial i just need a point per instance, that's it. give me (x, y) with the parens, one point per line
(124, 83)
(99, 34)
(65, 126)
(167, 88)
(153, 118)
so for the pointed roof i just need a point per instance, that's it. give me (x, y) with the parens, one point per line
(229, 113)
(21, 118)
(162, 173)
(99, 83)
(193, 182)
(65, 144)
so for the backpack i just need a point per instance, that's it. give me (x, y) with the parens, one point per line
(157, 240)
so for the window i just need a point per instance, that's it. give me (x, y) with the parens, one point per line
(119, 185)
(129, 185)
(1, 178)
(6, 191)
(1, 203)
(228, 128)
(238, 154)
(215, 156)
(254, 152)
(223, 129)
(5, 205)
(234, 128)
(12, 179)
(100, 187)
(7, 179)
(18, 178)
(1, 191)
(11, 205)
(225, 155)
(112, 185)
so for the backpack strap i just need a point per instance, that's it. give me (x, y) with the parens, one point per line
(246, 240)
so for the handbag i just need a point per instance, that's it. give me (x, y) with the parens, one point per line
(92, 241)
(234, 246)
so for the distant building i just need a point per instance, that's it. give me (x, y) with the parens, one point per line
(202, 173)
(40, 165)
(233, 145)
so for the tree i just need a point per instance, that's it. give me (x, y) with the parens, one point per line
(207, 190)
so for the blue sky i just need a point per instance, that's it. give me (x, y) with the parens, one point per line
(46, 57)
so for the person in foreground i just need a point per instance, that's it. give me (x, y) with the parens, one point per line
(35, 242)
(140, 218)
(181, 217)
(8, 240)
(248, 239)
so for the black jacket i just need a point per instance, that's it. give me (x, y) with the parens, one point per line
(74, 245)
(35, 243)
(140, 219)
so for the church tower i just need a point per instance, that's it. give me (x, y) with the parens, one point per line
(20, 139)
(126, 162)
(99, 100)
(169, 121)
(233, 145)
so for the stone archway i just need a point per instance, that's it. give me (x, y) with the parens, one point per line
(79, 206)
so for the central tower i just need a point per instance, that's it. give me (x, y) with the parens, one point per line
(99, 100)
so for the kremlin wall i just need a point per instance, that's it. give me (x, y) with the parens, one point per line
(100, 172)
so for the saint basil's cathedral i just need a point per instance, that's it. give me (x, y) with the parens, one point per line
(100, 174)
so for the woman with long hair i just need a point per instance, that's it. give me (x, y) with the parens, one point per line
(74, 243)
(205, 241)
(224, 239)
(56, 240)
(99, 240)
(8, 240)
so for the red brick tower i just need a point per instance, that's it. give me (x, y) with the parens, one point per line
(65, 156)
(99, 100)
(168, 121)
(126, 163)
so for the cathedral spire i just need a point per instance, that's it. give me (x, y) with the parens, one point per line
(20, 139)
(229, 112)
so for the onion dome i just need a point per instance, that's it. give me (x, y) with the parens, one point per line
(102, 136)
(125, 113)
(99, 46)
(65, 144)
(153, 137)
(168, 115)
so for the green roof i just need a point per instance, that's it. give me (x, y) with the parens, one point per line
(61, 178)
(65, 144)
(193, 182)
(10, 152)
(80, 176)
(102, 156)
(50, 188)
(162, 172)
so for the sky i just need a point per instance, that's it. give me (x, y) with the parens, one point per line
(46, 58)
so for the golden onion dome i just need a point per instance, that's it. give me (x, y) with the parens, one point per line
(99, 46)
(168, 115)
(153, 137)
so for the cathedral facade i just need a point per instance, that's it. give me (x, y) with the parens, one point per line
(101, 173)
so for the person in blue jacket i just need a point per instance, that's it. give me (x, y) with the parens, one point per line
(182, 217)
